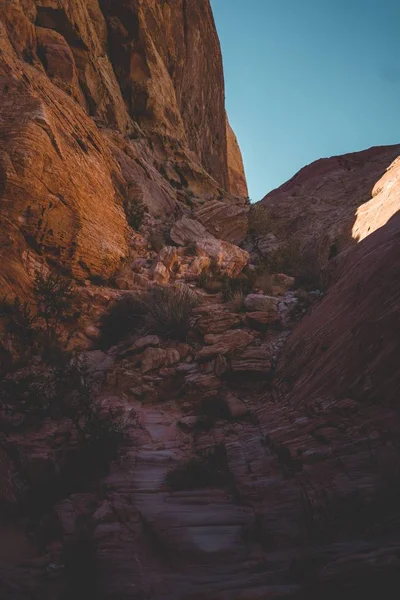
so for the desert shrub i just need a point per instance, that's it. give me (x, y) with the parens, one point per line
(168, 311)
(99, 432)
(157, 242)
(124, 317)
(265, 282)
(259, 220)
(54, 298)
(30, 393)
(300, 263)
(233, 285)
(208, 469)
(61, 393)
(237, 301)
(135, 211)
(19, 325)
(164, 311)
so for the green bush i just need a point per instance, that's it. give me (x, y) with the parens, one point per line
(135, 211)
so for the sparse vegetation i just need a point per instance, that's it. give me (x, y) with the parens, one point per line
(28, 331)
(169, 311)
(237, 301)
(157, 242)
(65, 393)
(164, 311)
(124, 317)
(19, 326)
(135, 211)
(55, 303)
(292, 260)
(259, 221)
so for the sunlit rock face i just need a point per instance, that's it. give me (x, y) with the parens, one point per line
(334, 202)
(102, 103)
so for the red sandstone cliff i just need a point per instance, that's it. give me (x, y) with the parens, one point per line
(102, 102)
(334, 201)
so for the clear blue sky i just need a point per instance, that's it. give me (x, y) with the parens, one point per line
(307, 79)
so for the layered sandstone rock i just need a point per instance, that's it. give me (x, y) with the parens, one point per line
(334, 202)
(347, 346)
(104, 104)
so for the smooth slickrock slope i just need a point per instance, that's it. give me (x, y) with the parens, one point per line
(102, 103)
(318, 206)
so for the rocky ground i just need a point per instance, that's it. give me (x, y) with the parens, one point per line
(252, 453)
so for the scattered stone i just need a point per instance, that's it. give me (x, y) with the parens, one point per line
(161, 275)
(156, 358)
(140, 345)
(236, 407)
(253, 359)
(229, 259)
(215, 318)
(224, 343)
(255, 302)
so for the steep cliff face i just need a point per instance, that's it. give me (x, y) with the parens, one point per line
(103, 103)
(329, 204)
(347, 346)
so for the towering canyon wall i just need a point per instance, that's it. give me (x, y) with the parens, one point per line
(102, 102)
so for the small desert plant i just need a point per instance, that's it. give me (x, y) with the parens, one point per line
(123, 318)
(54, 297)
(98, 431)
(168, 311)
(259, 221)
(231, 286)
(19, 325)
(265, 282)
(237, 301)
(165, 311)
(135, 211)
(157, 242)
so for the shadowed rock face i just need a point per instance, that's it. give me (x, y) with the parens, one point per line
(334, 201)
(102, 102)
(347, 346)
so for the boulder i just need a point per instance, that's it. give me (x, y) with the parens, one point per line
(161, 275)
(236, 407)
(253, 360)
(259, 302)
(188, 231)
(224, 343)
(261, 320)
(156, 358)
(169, 257)
(229, 259)
(225, 221)
(215, 318)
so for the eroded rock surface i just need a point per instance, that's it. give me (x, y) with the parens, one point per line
(104, 104)
(334, 202)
